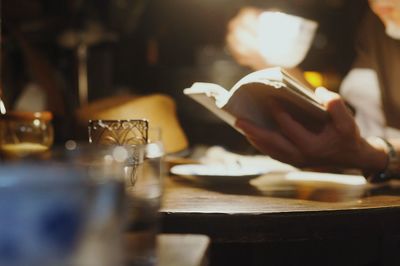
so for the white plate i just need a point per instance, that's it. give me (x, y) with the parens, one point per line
(216, 173)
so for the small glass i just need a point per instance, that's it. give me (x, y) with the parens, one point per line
(25, 133)
(118, 132)
(121, 132)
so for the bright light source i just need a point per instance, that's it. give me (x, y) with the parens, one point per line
(314, 78)
(284, 40)
(120, 154)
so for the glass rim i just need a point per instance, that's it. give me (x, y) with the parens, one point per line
(116, 131)
(118, 120)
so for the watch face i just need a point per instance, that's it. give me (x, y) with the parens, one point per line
(378, 177)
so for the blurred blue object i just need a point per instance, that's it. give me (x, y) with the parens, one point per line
(46, 211)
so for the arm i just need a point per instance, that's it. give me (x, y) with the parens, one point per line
(339, 144)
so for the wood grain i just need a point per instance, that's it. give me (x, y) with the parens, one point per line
(273, 209)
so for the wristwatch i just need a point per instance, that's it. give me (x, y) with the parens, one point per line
(392, 168)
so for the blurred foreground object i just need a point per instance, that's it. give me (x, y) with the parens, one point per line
(58, 215)
(25, 133)
(158, 109)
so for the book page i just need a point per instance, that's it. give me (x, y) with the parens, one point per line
(212, 97)
(251, 96)
(271, 76)
(220, 94)
(252, 101)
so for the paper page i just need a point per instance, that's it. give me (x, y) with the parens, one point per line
(220, 94)
(212, 97)
(209, 103)
(271, 76)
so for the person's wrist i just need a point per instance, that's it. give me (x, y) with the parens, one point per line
(370, 157)
(384, 163)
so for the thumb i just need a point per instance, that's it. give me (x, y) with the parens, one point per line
(339, 112)
(325, 95)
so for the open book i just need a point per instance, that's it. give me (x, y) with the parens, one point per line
(249, 98)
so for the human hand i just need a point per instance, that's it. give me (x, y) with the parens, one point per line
(242, 38)
(338, 144)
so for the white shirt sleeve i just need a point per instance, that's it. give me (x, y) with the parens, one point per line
(361, 89)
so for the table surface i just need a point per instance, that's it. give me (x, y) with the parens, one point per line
(271, 208)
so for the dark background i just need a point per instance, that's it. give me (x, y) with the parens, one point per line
(160, 46)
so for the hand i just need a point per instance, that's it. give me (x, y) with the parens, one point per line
(242, 39)
(338, 144)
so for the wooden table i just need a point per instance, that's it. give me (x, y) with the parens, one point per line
(287, 221)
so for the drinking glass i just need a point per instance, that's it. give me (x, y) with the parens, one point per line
(143, 174)
(121, 132)
(143, 201)
(118, 132)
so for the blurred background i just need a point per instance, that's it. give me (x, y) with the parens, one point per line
(140, 47)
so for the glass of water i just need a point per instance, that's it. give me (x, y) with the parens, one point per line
(143, 179)
(143, 201)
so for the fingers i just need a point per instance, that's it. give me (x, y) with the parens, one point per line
(340, 114)
(292, 129)
(325, 95)
(269, 142)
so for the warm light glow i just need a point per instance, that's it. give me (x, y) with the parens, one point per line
(23, 148)
(36, 122)
(70, 145)
(154, 150)
(284, 40)
(355, 180)
(314, 78)
(2, 108)
(120, 154)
